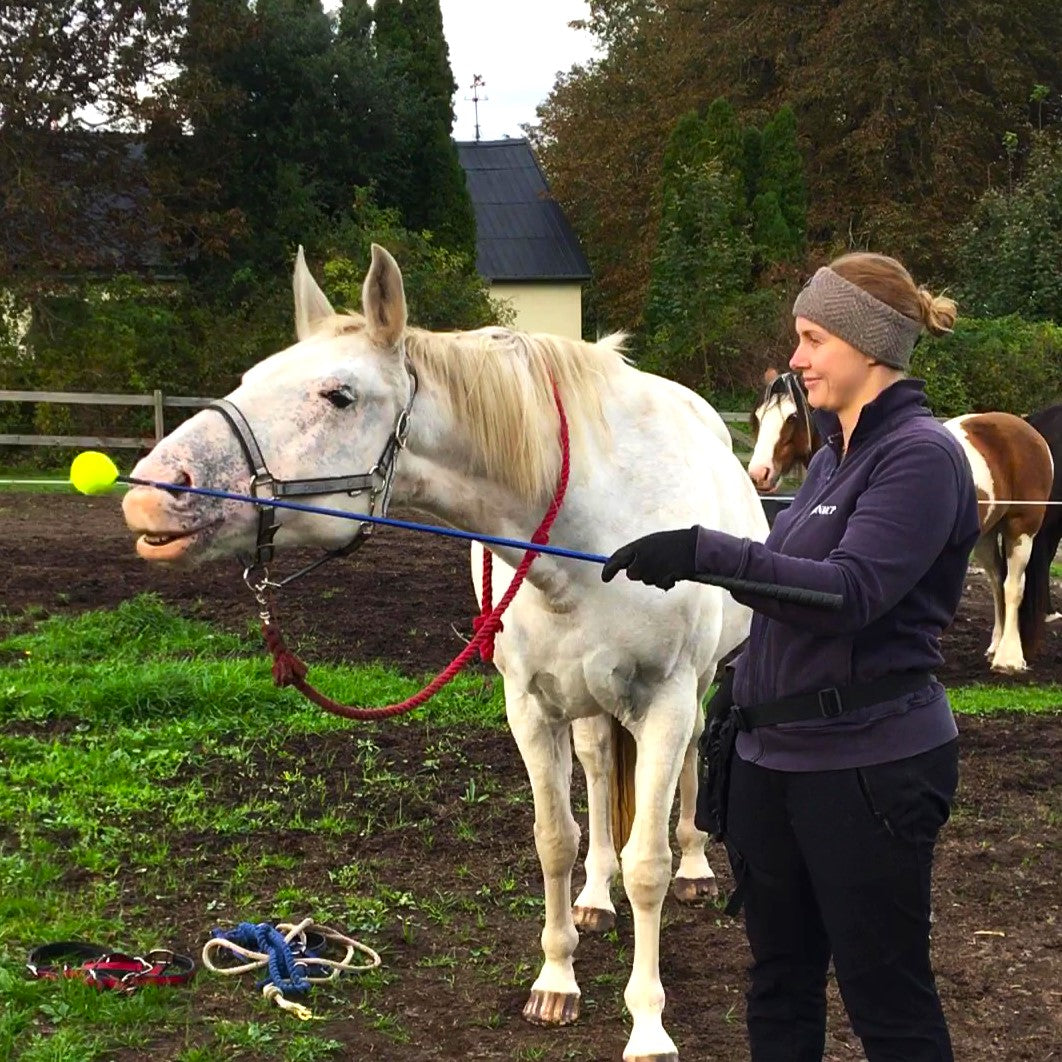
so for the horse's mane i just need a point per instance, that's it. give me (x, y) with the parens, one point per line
(497, 383)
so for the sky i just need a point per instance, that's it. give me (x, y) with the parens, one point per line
(518, 47)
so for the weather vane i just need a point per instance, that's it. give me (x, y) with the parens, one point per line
(477, 84)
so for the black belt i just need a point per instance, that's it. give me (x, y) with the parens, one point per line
(832, 702)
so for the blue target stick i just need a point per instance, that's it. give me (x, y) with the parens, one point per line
(791, 594)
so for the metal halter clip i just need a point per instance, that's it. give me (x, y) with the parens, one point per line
(256, 577)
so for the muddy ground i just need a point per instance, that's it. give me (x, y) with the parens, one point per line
(998, 930)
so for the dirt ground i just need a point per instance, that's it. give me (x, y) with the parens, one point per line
(998, 929)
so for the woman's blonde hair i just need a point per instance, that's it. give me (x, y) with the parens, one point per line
(889, 282)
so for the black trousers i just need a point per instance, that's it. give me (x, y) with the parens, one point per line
(837, 864)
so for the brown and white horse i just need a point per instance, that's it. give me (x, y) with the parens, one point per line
(1013, 473)
(783, 428)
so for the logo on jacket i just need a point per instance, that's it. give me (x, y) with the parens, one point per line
(824, 510)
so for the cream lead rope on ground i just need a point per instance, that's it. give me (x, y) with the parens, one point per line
(292, 932)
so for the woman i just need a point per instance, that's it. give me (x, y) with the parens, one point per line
(846, 761)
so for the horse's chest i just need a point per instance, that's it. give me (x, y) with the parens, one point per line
(563, 693)
(567, 685)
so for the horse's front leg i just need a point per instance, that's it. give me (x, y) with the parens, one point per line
(663, 735)
(695, 880)
(545, 746)
(593, 910)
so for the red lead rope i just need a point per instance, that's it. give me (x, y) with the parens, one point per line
(289, 670)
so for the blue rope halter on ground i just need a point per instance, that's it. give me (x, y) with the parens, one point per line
(283, 951)
(286, 971)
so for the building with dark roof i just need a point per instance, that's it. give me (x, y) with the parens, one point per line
(525, 246)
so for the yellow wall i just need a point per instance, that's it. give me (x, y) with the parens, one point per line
(544, 307)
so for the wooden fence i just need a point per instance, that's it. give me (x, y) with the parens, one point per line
(157, 400)
(737, 423)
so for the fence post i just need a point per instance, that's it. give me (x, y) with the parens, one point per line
(160, 423)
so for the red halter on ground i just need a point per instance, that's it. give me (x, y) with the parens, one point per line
(289, 670)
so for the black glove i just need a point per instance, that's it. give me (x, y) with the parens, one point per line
(660, 559)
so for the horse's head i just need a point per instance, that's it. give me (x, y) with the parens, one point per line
(783, 428)
(327, 408)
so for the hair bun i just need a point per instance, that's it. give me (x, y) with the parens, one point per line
(938, 312)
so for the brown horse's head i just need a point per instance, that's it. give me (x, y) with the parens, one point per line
(784, 431)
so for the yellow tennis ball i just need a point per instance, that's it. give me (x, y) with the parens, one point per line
(93, 472)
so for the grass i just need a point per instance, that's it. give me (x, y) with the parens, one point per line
(116, 728)
(132, 746)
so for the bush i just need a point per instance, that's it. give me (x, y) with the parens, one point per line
(999, 363)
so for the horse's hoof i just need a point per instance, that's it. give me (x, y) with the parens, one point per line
(694, 890)
(1009, 667)
(551, 1008)
(668, 1056)
(593, 919)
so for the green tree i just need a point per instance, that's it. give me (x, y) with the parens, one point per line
(723, 234)
(355, 22)
(391, 32)
(290, 112)
(900, 107)
(410, 41)
(703, 258)
(1009, 253)
(781, 186)
(443, 289)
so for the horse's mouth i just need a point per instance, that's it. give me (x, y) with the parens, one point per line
(168, 545)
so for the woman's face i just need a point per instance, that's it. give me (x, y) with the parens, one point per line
(834, 372)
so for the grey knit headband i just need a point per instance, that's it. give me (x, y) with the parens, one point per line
(854, 315)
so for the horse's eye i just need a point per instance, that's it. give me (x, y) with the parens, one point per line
(340, 397)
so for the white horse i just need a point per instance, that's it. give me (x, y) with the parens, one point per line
(577, 656)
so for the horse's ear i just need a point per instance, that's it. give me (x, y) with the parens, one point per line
(311, 305)
(770, 376)
(383, 299)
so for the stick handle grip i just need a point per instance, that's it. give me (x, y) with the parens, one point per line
(793, 595)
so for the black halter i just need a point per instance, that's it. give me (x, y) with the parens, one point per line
(378, 481)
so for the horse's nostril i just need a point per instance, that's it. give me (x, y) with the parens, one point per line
(182, 479)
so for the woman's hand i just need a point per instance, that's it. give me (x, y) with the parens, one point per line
(660, 559)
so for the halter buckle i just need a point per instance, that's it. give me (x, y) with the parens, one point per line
(402, 429)
(262, 478)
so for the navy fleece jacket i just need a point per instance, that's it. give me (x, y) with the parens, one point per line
(889, 527)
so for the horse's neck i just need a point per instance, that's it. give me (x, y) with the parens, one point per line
(434, 478)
